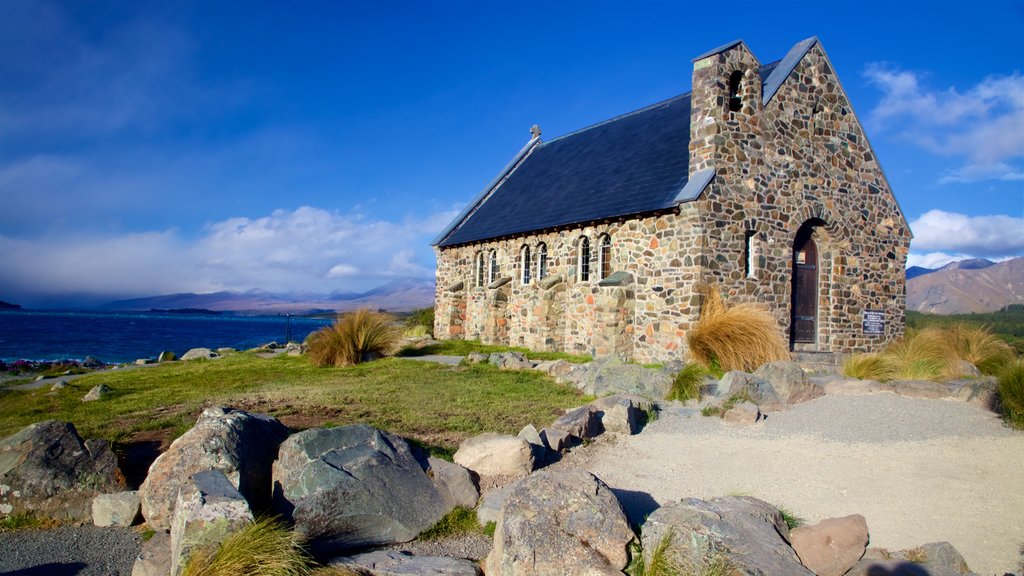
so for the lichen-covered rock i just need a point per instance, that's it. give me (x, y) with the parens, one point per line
(509, 361)
(749, 532)
(759, 390)
(394, 563)
(208, 510)
(789, 381)
(560, 522)
(119, 509)
(622, 413)
(610, 375)
(98, 392)
(583, 422)
(495, 454)
(454, 483)
(48, 471)
(241, 444)
(554, 368)
(832, 546)
(353, 487)
(154, 557)
(490, 505)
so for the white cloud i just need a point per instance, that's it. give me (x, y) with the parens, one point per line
(933, 260)
(980, 236)
(983, 126)
(303, 249)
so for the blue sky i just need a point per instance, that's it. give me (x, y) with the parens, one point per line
(153, 147)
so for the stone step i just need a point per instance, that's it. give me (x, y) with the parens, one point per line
(819, 362)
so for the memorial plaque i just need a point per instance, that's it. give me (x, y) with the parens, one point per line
(874, 322)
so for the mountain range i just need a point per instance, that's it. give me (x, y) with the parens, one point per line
(399, 295)
(975, 285)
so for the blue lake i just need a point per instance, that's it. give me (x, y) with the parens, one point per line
(124, 337)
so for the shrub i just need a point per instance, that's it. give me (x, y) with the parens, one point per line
(1010, 387)
(264, 548)
(422, 317)
(981, 347)
(687, 383)
(738, 337)
(355, 337)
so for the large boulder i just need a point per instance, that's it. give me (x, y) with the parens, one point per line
(47, 470)
(241, 444)
(208, 510)
(354, 487)
(395, 563)
(199, 354)
(759, 390)
(610, 375)
(749, 532)
(491, 454)
(789, 381)
(560, 522)
(509, 361)
(582, 423)
(120, 509)
(832, 546)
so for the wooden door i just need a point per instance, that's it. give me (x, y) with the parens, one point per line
(805, 291)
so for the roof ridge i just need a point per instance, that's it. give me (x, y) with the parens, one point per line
(619, 117)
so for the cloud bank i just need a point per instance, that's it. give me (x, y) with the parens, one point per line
(982, 127)
(942, 237)
(304, 249)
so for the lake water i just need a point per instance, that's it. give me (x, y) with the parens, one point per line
(125, 337)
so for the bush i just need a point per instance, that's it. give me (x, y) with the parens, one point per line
(355, 337)
(422, 317)
(264, 548)
(1010, 387)
(738, 337)
(687, 384)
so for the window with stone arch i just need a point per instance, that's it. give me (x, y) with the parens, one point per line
(542, 261)
(604, 256)
(735, 99)
(525, 262)
(492, 270)
(479, 269)
(583, 259)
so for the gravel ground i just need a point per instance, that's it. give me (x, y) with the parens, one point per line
(918, 470)
(69, 551)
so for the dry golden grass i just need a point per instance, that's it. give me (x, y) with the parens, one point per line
(870, 367)
(355, 337)
(980, 347)
(264, 548)
(739, 337)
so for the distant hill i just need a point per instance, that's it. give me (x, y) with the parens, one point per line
(399, 295)
(975, 285)
(9, 306)
(970, 264)
(915, 271)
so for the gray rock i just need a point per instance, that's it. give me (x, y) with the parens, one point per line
(750, 532)
(241, 444)
(967, 370)
(923, 389)
(509, 361)
(208, 510)
(789, 381)
(98, 392)
(560, 522)
(610, 375)
(293, 349)
(557, 440)
(91, 362)
(742, 413)
(394, 563)
(199, 354)
(490, 505)
(555, 368)
(980, 392)
(840, 386)
(476, 357)
(48, 471)
(531, 435)
(583, 422)
(540, 450)
(154, 557)
(119, 509)
(759, 390)
(59, 385)
(622, 413)
(495, 454)
(353, 487)
(166, 356)
(454, 483)
(944, 555)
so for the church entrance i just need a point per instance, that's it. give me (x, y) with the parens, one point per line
(804, 309)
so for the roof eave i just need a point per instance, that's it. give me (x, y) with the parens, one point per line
(695, 186)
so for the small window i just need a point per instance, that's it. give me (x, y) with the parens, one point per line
(524, 261)
(479, 269)
(584, 259)
(492, 271)
(542, 261)
(750, 254)
(604, 257)
(735, 100)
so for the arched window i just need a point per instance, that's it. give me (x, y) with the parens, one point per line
(542, 261)
(735, 100)
(604, 257)
(479, 270)
(492, 272)
(524, 261)
(583, 260)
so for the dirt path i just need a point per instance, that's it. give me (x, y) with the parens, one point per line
(918, 470)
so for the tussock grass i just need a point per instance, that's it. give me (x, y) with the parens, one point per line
(264, 548)
(458, 522)
(1010, 388)
(870, 367)
(687, 383)
(665, 561)
(979, 346)
(739, 337)
(26, 522)
(790, 518)
(353, 338)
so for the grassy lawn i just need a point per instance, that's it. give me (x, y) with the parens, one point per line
(464, 347)
(435, 405)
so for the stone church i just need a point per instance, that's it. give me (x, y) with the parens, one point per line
(760, 183)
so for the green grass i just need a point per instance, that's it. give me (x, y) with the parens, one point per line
(437, 405)
(687, 383)
(1007, 324)
(25, 522)
(1010, 387)
(458, 522)
(264, 548)
(791, 519)
(664, 561)
(464, 347)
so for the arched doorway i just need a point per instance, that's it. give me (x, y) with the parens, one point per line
(804, 305)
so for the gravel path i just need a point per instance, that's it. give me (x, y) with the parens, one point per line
(918, 470)
(69, 551)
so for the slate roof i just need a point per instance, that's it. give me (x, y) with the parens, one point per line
(631, 164)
